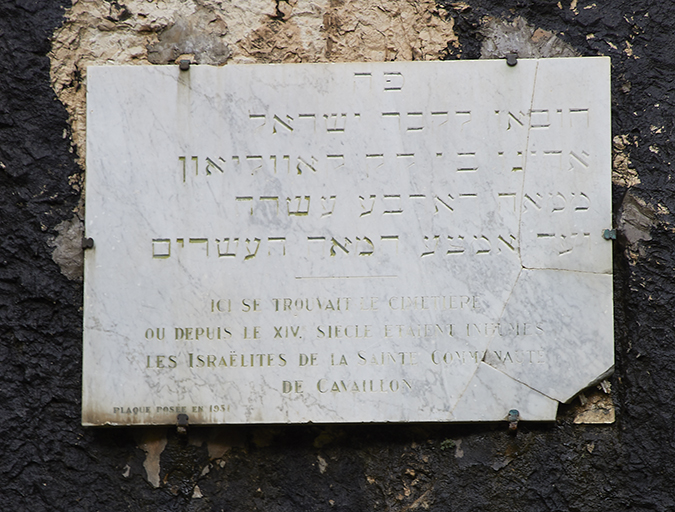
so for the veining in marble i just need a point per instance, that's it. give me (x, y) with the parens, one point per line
(380, 242)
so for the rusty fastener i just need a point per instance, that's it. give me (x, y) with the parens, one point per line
(87, 243)
(184, 64)
(609, 234)
(512, 58)
(513, 418)
(182, 423)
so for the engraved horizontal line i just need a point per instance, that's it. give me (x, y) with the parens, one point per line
(346, 277)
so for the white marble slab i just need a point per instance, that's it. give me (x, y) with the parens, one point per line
(346, 242)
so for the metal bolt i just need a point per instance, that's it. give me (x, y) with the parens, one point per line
(182, 423)
(513, 418)
(512, 58)
(87, 243)
(609, 234)
(184, 64)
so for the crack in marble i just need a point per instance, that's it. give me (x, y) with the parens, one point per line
(522, 185)
(611, 273)
(493, 391)
(489, 341)
(519, 381)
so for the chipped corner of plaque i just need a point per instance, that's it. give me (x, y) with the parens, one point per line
(493, 395)
(592, 406)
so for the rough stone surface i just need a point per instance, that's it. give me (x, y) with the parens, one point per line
(51, 463)
(68, 247)
(623, 173)
(198, 35)
(213, 31)
(595, 406)
(501, 37)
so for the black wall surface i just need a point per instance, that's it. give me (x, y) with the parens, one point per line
(49, 462)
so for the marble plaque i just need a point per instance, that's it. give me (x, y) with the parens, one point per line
(386, 242)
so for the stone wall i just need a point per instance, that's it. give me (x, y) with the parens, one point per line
(579, 463)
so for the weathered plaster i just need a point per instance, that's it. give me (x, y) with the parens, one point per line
(68, 247)
(214, 31)
(152, 441)
(501, 37)
(635, 222)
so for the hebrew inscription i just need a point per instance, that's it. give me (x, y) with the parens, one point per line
(346, 242)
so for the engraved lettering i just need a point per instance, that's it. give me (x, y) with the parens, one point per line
(437, 118)
(258, 118)
(576, 159)
(210, 164)
(367, 210)
(417, 121)
(285, 124)
(252, 254)
(244, 199)
(391, 238)
(303, 164)
(255, 158)
(374, 161)
(513, 121)
(393, 209)
(324, 205)
(576, 113)
(531, 200)
(467, 166)
(183, 161)
(539, 119)
(481, 248)
(444, 203)
(409, 158)
(361, 78)
(393, 81)
(335, 123)
(272, 198)
(558, 203)
(339, 245)
(557, 154)
(583, 203)
(312, 117)
(287, 158)
(204, 241)
(298, 211)
(321, 239)
(510, 243)
(431, 249)
(510, 198)
(336, 159)
(161, 248)
(455, 249)
(393, 115)
(226, 253)
(514, 163)
(279, 239)
(366, 252)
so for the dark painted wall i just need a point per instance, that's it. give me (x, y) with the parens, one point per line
(49, 462)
